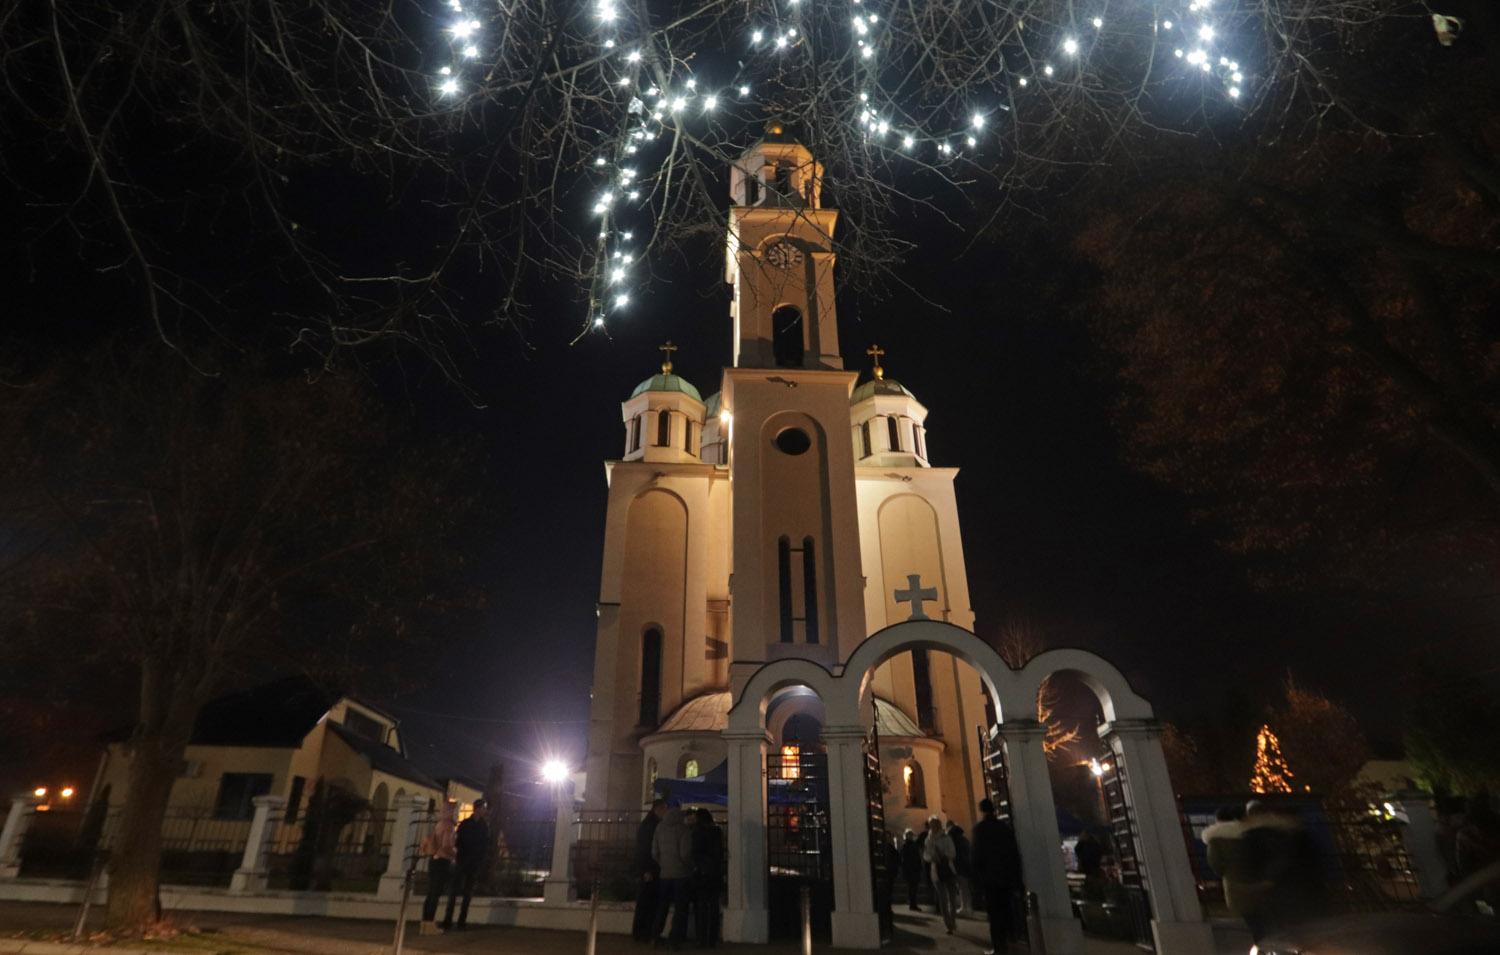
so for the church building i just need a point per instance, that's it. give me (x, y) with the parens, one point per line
(777, 518)
(785, 627)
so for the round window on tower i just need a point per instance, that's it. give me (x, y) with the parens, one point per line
(793, 441)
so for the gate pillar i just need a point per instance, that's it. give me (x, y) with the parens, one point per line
(1177, 923)
(855, 922)
(745, 917)
(1034, 816)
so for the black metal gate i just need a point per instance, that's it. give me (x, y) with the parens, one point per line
(1125, 838)
(799, 847)
(997, 788)
(882, 869)
(996, 776)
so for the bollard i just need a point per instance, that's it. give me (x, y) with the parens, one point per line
(400, 938)
(806, 920)
(593, 918)
(88, 897)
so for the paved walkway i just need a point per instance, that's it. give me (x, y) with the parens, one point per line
(241, 934)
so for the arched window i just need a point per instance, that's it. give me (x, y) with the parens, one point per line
(784, 181)
(921, 673)
(786, 337)
(690, 768)
(650, 780)
(650, 677)
(687, 436)
(635, 433)
(752, 190)
(663, 428)
(893, 432)
(810, 589)
(784, 570)
(864, 439)
(916, 787)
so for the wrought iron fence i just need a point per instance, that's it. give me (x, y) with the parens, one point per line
(604, 851)
(198, 848)
(1361, 854)
(331, 847)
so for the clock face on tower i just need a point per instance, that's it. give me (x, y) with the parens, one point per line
(784, 255)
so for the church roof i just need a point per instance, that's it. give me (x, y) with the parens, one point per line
(667, 382)
(704, 713)
(890, 720)
(712, 405)
(879, 386)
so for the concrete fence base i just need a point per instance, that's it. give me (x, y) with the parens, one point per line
(522, 913)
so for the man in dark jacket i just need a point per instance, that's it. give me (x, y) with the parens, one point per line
(648, 872)
(708, 877)
(997, 868)
(963, 866)
(473, 840)
(911, 868)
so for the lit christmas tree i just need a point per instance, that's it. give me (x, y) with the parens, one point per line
(1272, 774)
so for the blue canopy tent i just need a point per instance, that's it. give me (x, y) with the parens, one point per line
(712, 788)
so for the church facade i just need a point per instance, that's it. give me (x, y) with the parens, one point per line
(785, 627)
(777, 518)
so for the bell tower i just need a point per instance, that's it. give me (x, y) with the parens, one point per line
(796, 585)
(780, 258)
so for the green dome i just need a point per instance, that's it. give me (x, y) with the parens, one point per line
(667, 383)
(879, 386)
(712, 405)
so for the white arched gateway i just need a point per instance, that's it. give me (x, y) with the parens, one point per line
(846, 696)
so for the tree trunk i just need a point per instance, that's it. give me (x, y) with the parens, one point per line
(135, 856)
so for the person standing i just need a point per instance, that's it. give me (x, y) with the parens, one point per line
(473, 843)
(911, 868)
(648, 872)
(997, 869)
(962, 865)
(672, 848)
(441, 850)
(708, 870)
(1286, 882)
(939, 855)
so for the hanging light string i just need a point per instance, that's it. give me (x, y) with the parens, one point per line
(932, 106)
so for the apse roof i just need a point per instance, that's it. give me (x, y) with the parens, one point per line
(704, 713)
(890, 720)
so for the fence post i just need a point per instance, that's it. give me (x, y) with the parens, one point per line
(252, 874)
(403, 847)
(17, 821)
(558, 889)
(1419, 836)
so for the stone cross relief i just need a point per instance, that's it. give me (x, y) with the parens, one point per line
(916, 595)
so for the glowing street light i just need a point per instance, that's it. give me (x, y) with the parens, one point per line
(555, 772)
(66, 792)
(40, 792)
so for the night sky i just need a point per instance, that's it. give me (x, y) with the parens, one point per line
(1058, 533)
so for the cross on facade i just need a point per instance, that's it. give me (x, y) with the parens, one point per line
(915, 594)
(667, 349)
(875, 352)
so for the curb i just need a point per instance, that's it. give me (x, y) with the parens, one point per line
(17, 946)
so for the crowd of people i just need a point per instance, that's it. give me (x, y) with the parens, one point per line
(958, 872)
(679, 855)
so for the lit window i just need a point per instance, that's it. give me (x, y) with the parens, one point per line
(791, 762)
(690, 769)
(916, 787)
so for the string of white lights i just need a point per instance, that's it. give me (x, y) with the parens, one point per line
(656, 95)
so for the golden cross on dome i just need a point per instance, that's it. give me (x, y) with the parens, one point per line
(667, 349)
(875, 352)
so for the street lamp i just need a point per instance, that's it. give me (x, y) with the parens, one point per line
(555, 772)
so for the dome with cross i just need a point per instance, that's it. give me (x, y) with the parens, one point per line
(889, 422)
(664, 417)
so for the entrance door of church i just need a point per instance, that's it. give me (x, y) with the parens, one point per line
(799, 842)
